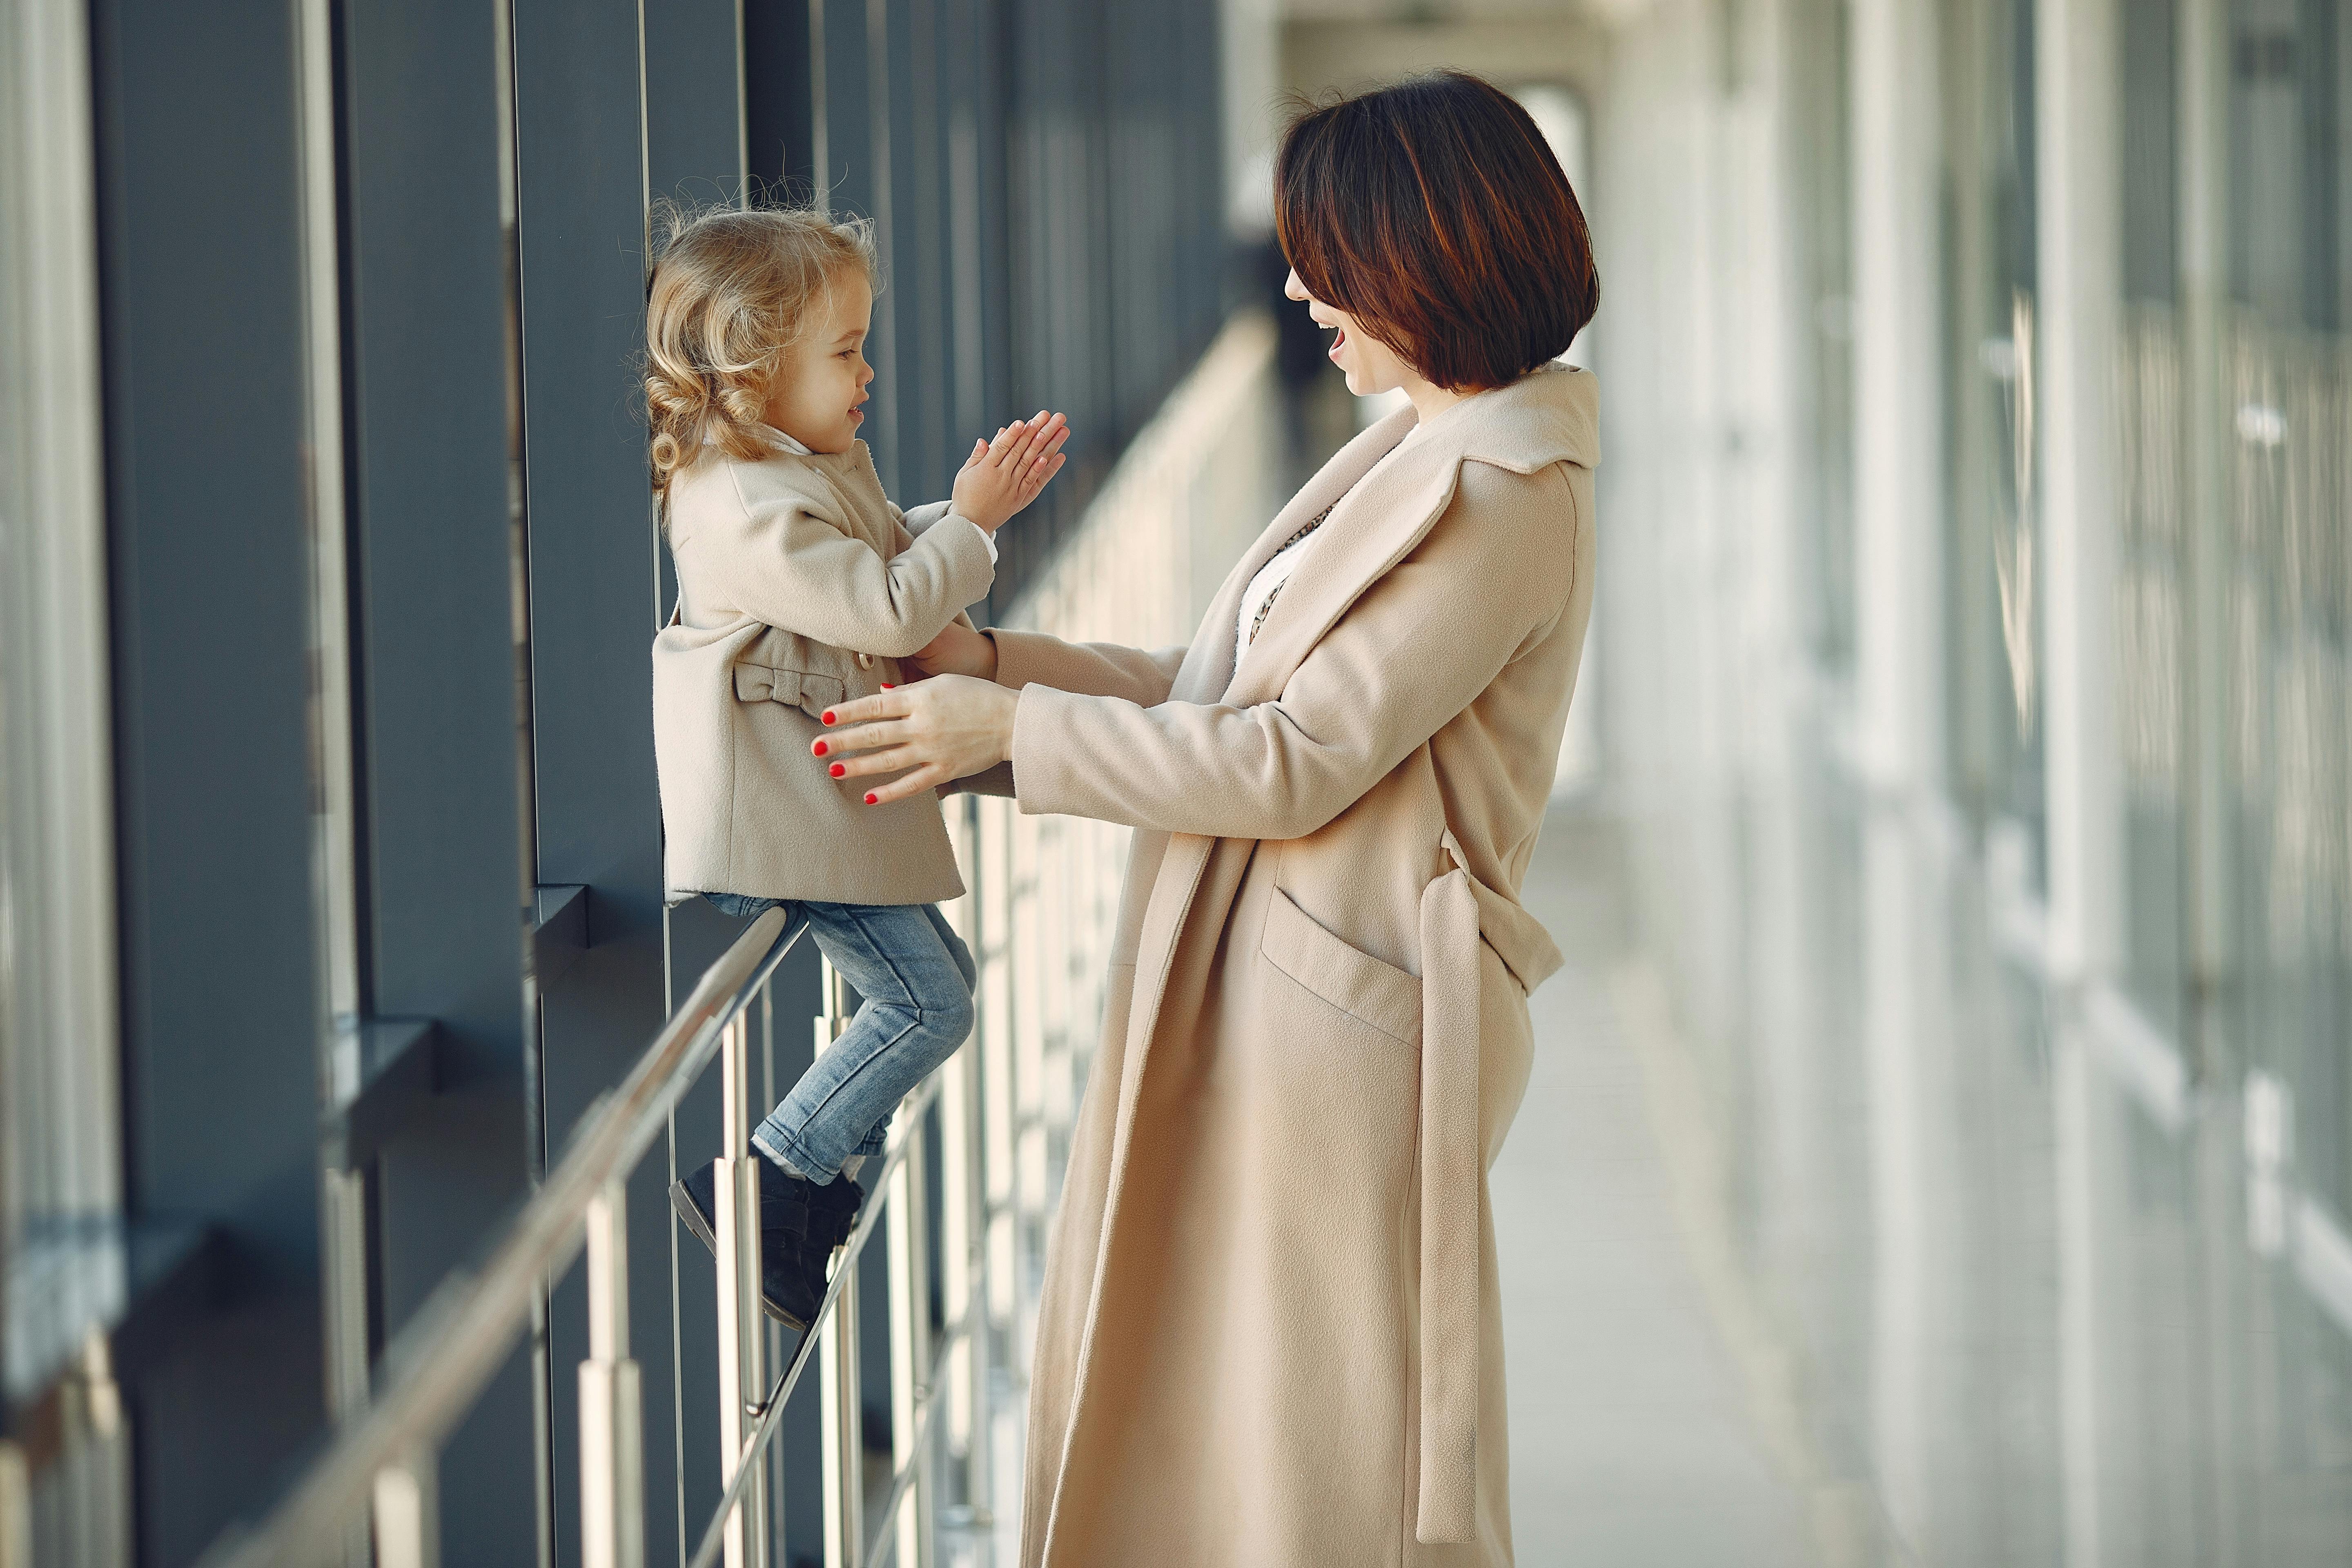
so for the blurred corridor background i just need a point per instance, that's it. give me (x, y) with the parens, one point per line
(1939, 1150)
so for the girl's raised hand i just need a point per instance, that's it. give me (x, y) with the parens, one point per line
(1005, 475)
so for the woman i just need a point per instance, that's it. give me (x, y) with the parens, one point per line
(1270, 1332)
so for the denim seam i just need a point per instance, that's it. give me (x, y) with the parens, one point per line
(796, 1147)
(858, 919)
(818, 1109)
(797, 1154)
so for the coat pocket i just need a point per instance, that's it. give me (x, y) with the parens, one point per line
(812, 694)
(1375, 994)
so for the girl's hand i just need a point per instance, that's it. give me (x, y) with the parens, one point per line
(928, 734)
(1002, 476)
(959, 650)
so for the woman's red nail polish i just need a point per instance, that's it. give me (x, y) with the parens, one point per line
(887, 687)
(872, 800)
(839, 770)
(820, 748)
(828, 715)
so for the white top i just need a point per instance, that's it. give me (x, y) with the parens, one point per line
(1271, 576)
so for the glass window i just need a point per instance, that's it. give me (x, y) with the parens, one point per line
(1993, 611)
(60, 1172)
(2288, 402)
(1821, 182)
(2150, 611)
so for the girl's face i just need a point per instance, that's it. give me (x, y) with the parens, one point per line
(821, 386)
(1371, 366)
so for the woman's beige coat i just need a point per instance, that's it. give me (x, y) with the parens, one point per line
(789, 570)
(1270, 1336)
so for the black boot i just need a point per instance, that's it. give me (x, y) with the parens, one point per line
(833, 1216)
(789, 1208)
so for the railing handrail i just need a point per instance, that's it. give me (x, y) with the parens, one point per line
(451, 1349)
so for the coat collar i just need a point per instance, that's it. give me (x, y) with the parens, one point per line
(1549, 415)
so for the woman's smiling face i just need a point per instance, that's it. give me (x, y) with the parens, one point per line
(1369, 365)
(821, 386)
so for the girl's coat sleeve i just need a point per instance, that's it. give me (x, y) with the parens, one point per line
(790, 568)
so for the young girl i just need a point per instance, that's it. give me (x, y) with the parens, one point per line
(801, 586)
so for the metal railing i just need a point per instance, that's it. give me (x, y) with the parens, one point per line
(382, 1465)
(1040, 918)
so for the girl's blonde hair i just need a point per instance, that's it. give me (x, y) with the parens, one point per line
(731, 290)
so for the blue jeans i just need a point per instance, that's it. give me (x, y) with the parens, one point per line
(916, 975)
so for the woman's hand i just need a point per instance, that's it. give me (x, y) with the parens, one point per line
(959, 650)
(1002, 476)
(930, 733)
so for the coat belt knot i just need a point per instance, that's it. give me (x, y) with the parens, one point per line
(812, 693)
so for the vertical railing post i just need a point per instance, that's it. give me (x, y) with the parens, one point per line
(780, 1351)
(960, 1232)
(843, 1441)
(910, 1339)
(408, 1513)
(963, 1222)
(342, 1206)
(741, 1336)
(612, 1437)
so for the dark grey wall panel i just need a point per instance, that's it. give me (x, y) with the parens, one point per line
(203, 366)
(425, 371)
(594, 600)
(853, 142)
(916, 300)
(780, 83)
(694, 123)
(427, 377)
(1113, 249)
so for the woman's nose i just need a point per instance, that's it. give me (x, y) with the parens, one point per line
(1292, 287)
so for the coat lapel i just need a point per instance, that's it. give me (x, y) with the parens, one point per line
(1208, 668)
(1544, 419)
(1371, 529)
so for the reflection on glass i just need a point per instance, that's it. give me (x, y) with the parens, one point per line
(1993, 605)
(2060, 1264)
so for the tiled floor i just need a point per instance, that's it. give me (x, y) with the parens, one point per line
(1646, 1427)
(1632, 1442)
(1830, 1234)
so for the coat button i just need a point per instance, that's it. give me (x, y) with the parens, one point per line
(865, 661)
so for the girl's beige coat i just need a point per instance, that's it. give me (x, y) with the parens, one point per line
(1270, 1336)
(789, 569)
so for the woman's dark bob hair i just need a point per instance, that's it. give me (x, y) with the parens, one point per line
(1435, 213)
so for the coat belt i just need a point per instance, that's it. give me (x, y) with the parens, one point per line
(1450, 1157)
(758, 683)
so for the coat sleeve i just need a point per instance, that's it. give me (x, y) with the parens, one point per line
(797, 571)
(1487, 583)
(1140, 676)
(916, 524)
(912, 525)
